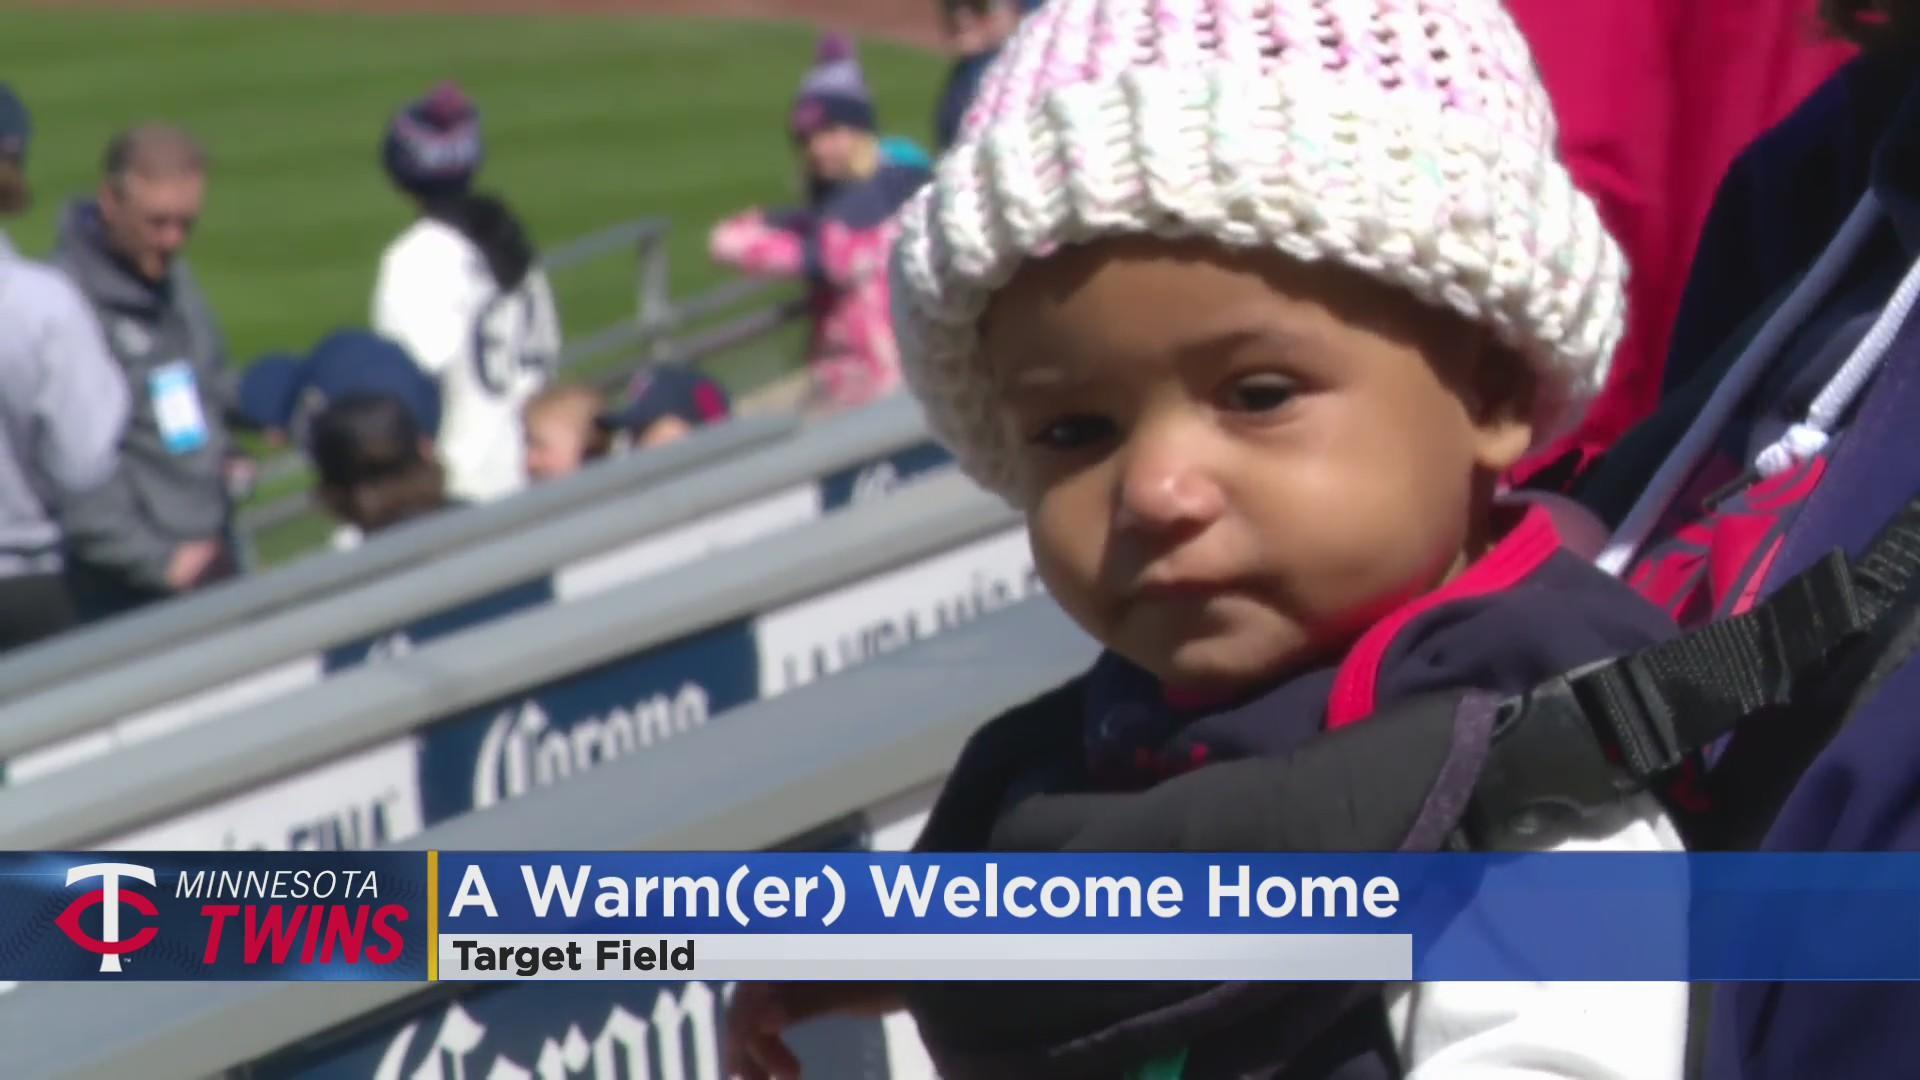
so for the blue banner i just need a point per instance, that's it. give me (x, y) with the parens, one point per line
(375, 916)
(395, 642)
(635, 705)
(657, 1031)
(1566, 917)
(881, 478)
(214, 917)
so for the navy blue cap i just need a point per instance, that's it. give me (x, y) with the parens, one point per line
(15, 125)
(669, 390)
(283, 393)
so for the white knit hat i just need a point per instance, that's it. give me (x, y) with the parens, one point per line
(1407, 139)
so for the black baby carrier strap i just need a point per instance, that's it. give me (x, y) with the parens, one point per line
(1787, 674)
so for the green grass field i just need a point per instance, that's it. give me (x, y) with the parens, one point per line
(589, 121)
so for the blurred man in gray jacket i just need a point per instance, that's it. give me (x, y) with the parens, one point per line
(63, 407)
(160, 526)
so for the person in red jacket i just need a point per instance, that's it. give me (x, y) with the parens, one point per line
(1655, 98)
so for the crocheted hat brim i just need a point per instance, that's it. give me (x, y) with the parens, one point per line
(1301, 162)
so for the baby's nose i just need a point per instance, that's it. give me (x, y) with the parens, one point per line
(1166, 488)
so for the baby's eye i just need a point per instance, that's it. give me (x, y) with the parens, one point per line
(1073, 432)
(1259, 393)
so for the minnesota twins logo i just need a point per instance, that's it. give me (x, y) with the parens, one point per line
(109, 945)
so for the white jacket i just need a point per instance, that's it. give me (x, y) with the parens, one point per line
(491, 351)
(1576, 1031)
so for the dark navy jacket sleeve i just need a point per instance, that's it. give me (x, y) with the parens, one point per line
(1858, 796)
(1566, 614)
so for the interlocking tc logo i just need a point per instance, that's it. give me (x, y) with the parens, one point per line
(109, 945)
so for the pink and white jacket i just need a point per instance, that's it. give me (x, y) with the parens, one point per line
(839, 247)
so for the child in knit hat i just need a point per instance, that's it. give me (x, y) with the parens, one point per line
(838, 243)
(462, 290)
(1248, 304)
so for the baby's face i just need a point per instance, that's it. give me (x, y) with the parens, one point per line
(1232, 464)
(833, 153)
(556, 445)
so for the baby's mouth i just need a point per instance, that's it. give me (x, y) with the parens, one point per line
(1180, 590)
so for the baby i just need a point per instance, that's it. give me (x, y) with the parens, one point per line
(561, 430)
(1248, 304)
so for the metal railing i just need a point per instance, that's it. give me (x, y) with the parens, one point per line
(535, 549)
(94, 800)
(773, 770)
(97, 649)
